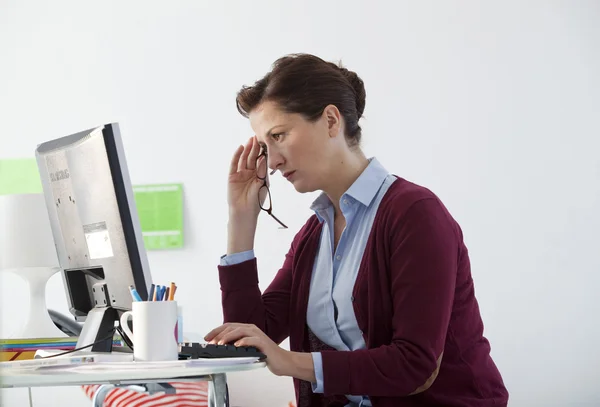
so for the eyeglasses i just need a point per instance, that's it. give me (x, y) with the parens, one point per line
(268, 204)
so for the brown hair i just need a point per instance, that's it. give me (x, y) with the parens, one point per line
(306, 84)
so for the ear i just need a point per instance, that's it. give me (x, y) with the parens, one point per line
(334, 120)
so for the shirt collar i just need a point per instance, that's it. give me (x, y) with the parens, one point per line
(363, 190)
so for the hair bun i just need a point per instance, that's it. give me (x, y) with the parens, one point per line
(359, 89)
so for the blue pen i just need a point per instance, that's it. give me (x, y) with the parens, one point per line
(134, 294)
(162, 293)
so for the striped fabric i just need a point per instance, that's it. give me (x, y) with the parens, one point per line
(187, 394)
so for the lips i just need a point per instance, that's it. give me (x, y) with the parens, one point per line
(287, 175)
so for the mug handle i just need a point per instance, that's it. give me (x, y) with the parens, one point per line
(125, 325)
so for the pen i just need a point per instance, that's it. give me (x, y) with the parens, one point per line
(151, 296)
(134, 294)
(166, 297)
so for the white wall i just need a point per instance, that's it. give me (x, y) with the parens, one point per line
(492, 105)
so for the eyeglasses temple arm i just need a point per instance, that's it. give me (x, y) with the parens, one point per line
(280, 222)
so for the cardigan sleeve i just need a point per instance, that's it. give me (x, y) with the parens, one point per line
(423, 267)
(243, 302)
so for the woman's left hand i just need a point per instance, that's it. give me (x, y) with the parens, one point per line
(278, 359)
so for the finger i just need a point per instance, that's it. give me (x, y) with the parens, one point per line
(218, 337)
(236, 334)
(243, 161)
(235, 159)
(214, 332)
(254, 341)
(251, 164)
(219, 330)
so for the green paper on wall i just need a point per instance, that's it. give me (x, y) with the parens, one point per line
(160, 209)
(19, 176)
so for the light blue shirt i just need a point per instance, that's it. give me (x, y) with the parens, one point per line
(335, 272)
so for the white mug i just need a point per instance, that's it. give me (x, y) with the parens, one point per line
(154, 333)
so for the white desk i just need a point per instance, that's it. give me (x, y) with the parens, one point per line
(215, 374)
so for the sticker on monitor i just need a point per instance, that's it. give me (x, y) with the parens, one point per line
(98, 240)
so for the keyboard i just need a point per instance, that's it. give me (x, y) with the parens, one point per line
(195, 350)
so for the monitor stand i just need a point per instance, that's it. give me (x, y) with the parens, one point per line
(98, 329)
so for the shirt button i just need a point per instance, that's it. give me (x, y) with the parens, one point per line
(345, 202)
(338, 257)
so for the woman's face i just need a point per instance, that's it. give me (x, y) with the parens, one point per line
(301, 150)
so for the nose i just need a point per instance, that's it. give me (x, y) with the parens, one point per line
(274, 161)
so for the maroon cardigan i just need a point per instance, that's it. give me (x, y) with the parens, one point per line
(414, 301)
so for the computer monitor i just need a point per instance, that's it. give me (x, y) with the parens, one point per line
(96, 229)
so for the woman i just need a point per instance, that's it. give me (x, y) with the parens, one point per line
(375, 293)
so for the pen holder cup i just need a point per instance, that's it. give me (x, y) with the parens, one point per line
(154, 335)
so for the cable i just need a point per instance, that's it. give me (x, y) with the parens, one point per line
(83, 347)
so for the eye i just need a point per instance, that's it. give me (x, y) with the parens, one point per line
(277, 136)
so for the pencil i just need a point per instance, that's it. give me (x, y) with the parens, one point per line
(172, 291)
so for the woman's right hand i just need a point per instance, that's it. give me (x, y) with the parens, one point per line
(244, 183)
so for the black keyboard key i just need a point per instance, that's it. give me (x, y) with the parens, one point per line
(195, 350)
